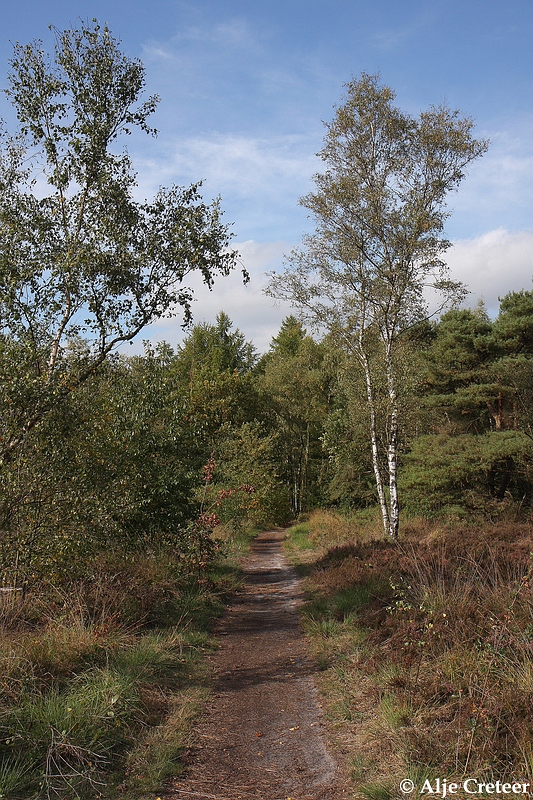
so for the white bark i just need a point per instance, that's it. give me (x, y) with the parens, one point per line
(380, 486)
(392, 449)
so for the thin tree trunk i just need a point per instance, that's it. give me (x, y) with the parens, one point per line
(303, 491)
(374, 439)
(392, 450)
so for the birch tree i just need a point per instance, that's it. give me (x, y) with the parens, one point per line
(83, 266)
(379, 209)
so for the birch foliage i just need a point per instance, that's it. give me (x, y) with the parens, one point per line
(80, 258)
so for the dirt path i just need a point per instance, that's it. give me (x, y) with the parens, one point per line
(262, 735)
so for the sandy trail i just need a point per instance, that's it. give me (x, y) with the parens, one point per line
(262, 735)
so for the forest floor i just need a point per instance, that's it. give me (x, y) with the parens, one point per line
(262, 735)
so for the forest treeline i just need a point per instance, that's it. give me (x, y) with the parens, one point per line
(155, 450)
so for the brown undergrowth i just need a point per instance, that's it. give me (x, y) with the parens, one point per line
(101, 678)
(425, 648)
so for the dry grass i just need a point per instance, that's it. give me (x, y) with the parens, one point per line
(426, 648)
(99, 682)
(328, 528)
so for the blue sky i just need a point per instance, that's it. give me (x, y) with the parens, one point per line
(244, 87)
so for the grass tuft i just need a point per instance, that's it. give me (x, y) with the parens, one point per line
(378, 791)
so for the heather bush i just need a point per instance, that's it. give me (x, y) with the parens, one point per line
(426, 650)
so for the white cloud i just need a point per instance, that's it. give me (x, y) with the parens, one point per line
(244, 164)
(493, 264)
(256, 315)
(157, 52)
(259, 180)
(497, 191)
(391, 38)
(236, 32)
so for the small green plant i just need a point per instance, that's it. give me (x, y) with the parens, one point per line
(17, 776)
(298, 537)
(156, 756)
(377, 791)
(360, 764)
(352, 598)
(394, 712)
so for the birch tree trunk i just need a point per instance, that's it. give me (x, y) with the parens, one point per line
(392, 448)
(380, 486)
